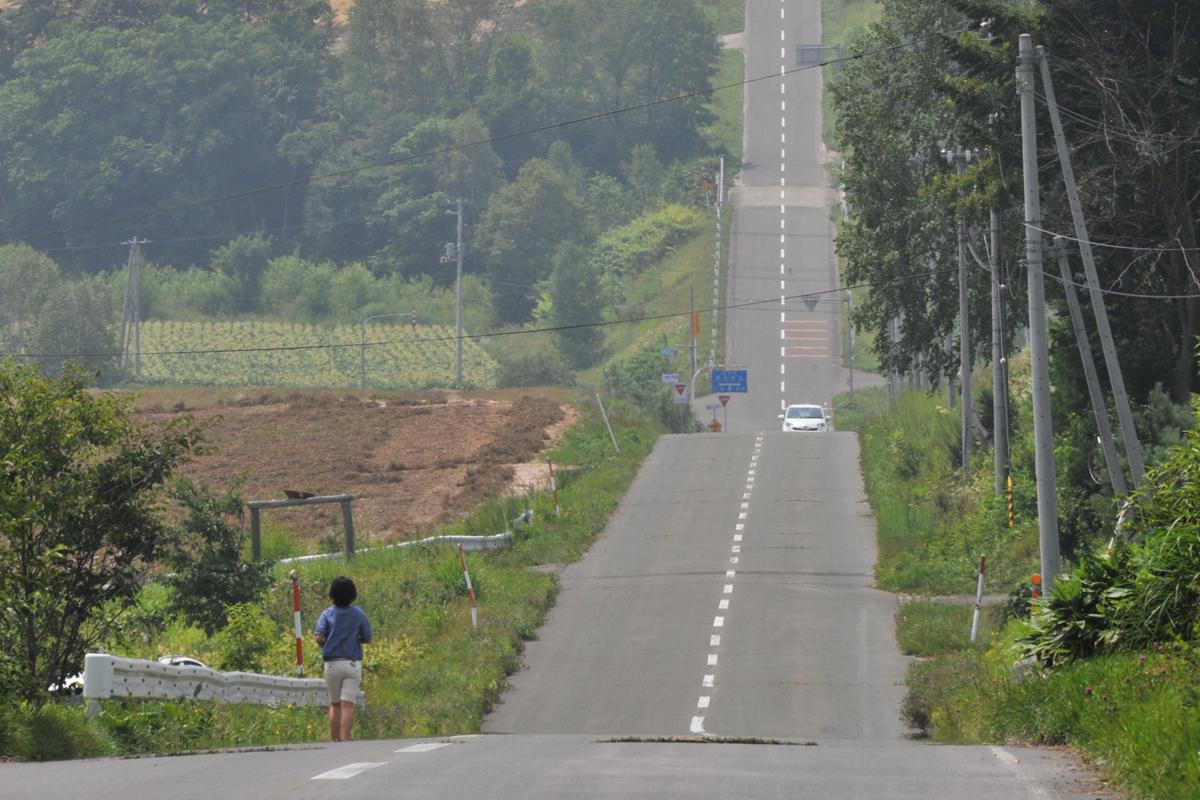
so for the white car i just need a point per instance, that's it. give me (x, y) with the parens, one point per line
(804, 417)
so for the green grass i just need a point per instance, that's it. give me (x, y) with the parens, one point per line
(727, 16)
(665, 290)
(1135, 714)
(725, 132)
(428, 671)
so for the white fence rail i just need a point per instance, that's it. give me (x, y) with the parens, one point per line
(106, 676)
(472, 544)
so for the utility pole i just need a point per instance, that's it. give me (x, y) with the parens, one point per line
(455, 251)
(131, 315)
(1107, 444)
(850, 338)
(694, 319)
(1047, 500)
(959, 158)
(999, 362)
(1133, 450)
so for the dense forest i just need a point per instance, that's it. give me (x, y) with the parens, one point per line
(284, 163)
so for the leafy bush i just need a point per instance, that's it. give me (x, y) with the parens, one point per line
(539, 364)
(209, 574)
(56, 732)
(246, 638)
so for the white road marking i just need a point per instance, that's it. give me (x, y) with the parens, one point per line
(783, 138)
(782, 50)
(718, 622)
(723, 605)
(783, 105)
(783, 122)
(714, 640)
(712, 659)
(782, 288)
(745, 505)
(739, 526)
(737, 537)
(702, 702)
(782, 350)
(423, 747)
(346, 772)
(782, 253)
(781, 333)
(733, 559)
(782, 318)
(729, 573)
(728, 589)
(782, 388)
(783, 154)
(782, 369)
(707, 681)
(782, 69)
(737, 548)
(697, 725)
(783, 167)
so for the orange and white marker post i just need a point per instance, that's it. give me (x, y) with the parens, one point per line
(462, 558)
(296, 617)
(978, 599)
(1035, 582)
(554, 489)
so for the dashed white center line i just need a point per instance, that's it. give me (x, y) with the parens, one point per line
(729, 573)
(347, 772)
(702, 702)
(707, 681)
(697, 725)
(714, 640)
(728, 588)
(739, 526)
(423, 747)
(718, 622)
(737, 548)
(723, 605)
(712, 659)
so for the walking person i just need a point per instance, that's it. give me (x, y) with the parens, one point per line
(341, 631)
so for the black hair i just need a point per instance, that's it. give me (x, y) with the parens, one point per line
(342, 591)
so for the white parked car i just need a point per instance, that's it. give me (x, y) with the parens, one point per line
(804, 417)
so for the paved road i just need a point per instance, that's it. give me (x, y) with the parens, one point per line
(782, 244)
(731, 595)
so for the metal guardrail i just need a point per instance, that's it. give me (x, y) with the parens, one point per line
(472, 544)
(106, 676)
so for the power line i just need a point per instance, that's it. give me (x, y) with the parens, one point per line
(748, 304)
(1158, 249)
(466, 145)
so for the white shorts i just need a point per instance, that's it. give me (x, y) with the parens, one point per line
(343, 679)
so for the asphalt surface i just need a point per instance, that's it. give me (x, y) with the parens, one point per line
(785, 311)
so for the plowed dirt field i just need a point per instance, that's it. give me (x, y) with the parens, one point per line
(412, 460)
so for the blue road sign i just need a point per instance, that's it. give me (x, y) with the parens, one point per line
(727, 381)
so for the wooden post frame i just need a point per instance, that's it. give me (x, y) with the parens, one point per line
(256, 507)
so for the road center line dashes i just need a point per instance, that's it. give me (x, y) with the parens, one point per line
(347, 772)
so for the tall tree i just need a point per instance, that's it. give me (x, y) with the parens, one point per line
(78, 519)
(524, 224)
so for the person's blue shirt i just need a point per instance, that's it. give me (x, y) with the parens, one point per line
(344, 631)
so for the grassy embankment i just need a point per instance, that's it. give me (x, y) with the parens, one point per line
(428, 672)
(1133, 713)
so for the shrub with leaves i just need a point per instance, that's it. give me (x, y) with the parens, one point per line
(209, 573)
(246, 639)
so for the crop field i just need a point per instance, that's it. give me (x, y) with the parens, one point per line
(240, 353)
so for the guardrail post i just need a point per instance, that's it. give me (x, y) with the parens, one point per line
(255, 535)
(348, 528)
(97, 680)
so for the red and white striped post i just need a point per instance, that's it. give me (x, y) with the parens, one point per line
(462, 558)
(978, 599)
(554, 489)
(296, 616)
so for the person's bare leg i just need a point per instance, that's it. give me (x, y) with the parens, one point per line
(335, 722)
(347, 719)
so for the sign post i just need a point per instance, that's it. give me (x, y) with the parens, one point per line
(724, 398)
